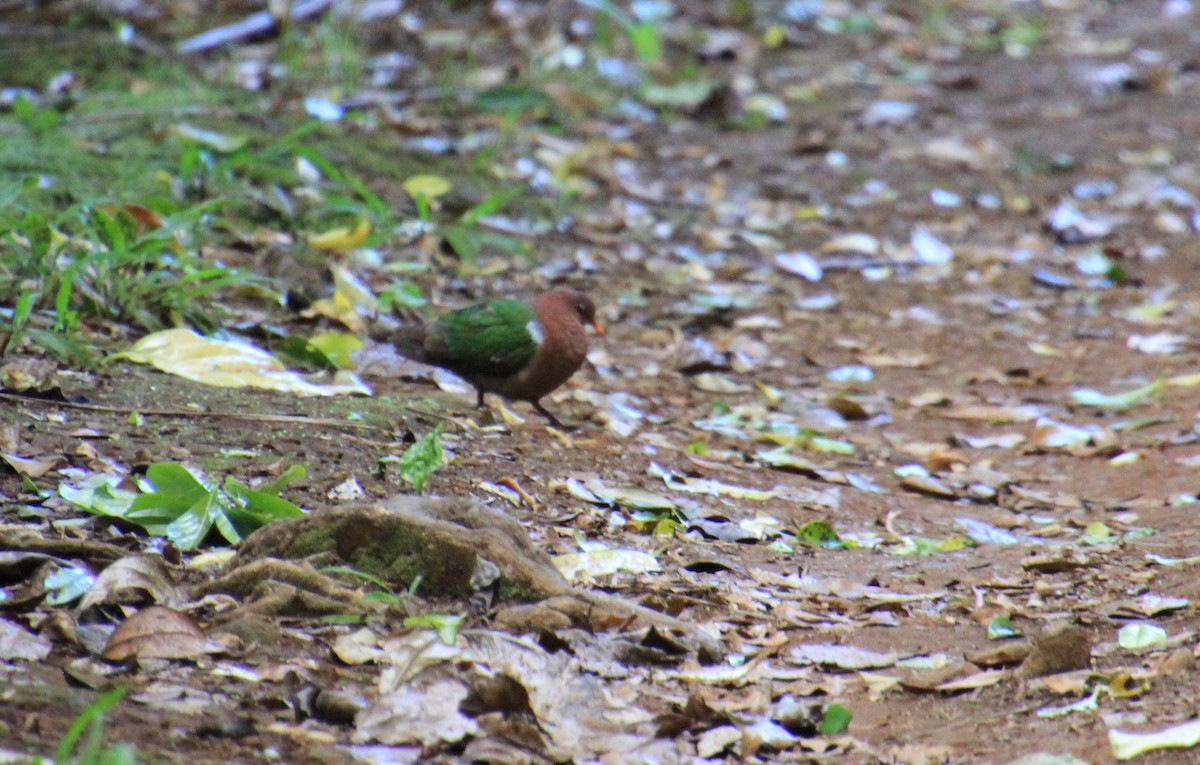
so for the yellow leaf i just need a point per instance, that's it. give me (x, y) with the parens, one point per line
(227, 364)
(1185, 381)
(1124, 686)
(351, 298)
(341, 238)
(1042, 349)
(428, 186)
(774, 36)
(337, 347)
(511, 418)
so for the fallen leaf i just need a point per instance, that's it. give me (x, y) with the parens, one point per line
(18, 644)
(228, 364)
(1126, 746)
(341, 238)
(157, 632)
(841, 656)
(604, 562)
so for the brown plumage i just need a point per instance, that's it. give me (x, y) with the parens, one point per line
(519, 350)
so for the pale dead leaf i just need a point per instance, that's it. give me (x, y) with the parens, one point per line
(228, 364)
(34, 467)
(18, 644)
(133, 579)
(841, 656)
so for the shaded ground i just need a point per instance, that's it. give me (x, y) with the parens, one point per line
(991, 343)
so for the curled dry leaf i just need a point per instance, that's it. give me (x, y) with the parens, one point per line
(34, 467)
(133, 579)
(157, 632)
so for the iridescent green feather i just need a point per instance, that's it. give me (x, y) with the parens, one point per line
(489, 339)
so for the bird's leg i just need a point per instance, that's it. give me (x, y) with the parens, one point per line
(479, 401)
(537, 406)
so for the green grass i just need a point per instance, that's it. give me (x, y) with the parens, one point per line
(118, 196)
(76, 749)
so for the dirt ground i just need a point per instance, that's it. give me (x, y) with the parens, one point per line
(974, 362)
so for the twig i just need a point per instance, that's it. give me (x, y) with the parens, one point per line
(295, 419)
(512, 484)
(438, 415)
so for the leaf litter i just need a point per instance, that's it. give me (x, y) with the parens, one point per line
(870, 535)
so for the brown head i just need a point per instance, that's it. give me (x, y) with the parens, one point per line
(567, 302)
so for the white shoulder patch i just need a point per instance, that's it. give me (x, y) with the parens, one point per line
(534, 328)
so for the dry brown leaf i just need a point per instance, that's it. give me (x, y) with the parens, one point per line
(157, 632)
(1001, 656)
(1074, 682)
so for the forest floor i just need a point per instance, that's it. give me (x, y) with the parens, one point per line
(866, 271)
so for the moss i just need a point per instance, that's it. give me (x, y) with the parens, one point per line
(399, 555)
(509, 590)
(314, 541)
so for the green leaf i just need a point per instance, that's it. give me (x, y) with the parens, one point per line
(915, 545)
(1098, 533)
(1116, 401)
(63, 347)
(1140, 635)
(37, 120)
(819, 534)
(490, 205)
(178, 505)
(298, 349)
(1002, 627)
(294, 473)
(99, 494)
(646, 43)
(337, 347)
(175, 491)
(190, 528)
(447, 626)
(422, 458)
(24, 109)
(402, 294)
(512, 97)
(64, 318)
(256, 508)
(836, 720)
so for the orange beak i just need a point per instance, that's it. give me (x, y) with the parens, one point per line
(596, 325)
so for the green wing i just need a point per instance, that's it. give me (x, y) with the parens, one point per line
(490, 339)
